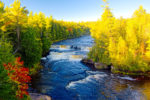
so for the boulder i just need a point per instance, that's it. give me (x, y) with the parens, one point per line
(101, 66)
(75, 47)
(88, 62)
(94, 65)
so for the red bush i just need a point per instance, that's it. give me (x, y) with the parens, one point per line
(20, 75)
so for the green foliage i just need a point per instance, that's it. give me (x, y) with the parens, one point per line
(29, 36)
(37, 67)
(6, 87)
(31, 47)
(46, 41)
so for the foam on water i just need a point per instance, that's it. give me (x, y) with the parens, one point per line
(44, 58)
(95, 72)
(59, 56)
(76, 57)
(70, 47)
(88, 79)
(86, 49)
(71, 56)
(127, 78)
(60, 47)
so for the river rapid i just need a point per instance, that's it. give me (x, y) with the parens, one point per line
(64, 77)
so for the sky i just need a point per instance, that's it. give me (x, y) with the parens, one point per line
(82, 10)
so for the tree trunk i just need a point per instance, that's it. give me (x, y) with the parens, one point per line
(18, 38)
(18, 35)
(41, 33)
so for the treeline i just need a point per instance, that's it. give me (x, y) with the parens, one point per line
(28, 35)
(122, 43)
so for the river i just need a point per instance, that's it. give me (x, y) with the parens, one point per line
(64, 77)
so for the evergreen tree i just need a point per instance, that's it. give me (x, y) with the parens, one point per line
(31, 47)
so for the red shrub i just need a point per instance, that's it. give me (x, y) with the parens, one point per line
(20, 75)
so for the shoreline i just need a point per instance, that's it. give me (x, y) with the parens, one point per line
(103, 67)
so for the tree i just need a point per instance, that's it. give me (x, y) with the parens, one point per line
(41, 23)
(46, 38)
(103, 32)
(31, 54)
(16, 17)
(125, 42)
(5, 57)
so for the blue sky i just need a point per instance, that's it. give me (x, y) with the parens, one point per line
(82, 10)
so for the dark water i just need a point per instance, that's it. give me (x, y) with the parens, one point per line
(65, 78)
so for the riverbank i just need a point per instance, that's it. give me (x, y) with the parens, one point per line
(139, 75)
(35, 71)
(64, 77)
(61, 40)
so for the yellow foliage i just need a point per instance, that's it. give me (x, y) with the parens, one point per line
(126, 41)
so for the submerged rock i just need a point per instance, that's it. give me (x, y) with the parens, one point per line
(75, 47)
(36, 96)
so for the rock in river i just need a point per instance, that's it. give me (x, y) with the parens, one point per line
(95, 65)
(36, 96)
(101, 66)
(88, 62)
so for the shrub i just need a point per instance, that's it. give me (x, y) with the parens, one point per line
(19, 75)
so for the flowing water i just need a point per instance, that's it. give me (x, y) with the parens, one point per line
(64, 77)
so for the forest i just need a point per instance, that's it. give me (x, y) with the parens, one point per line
(121, 42)
(24, 37)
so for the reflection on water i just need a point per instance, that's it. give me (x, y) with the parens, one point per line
(77, 57)
(144, 86)
(65, 78)
(63, 46)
